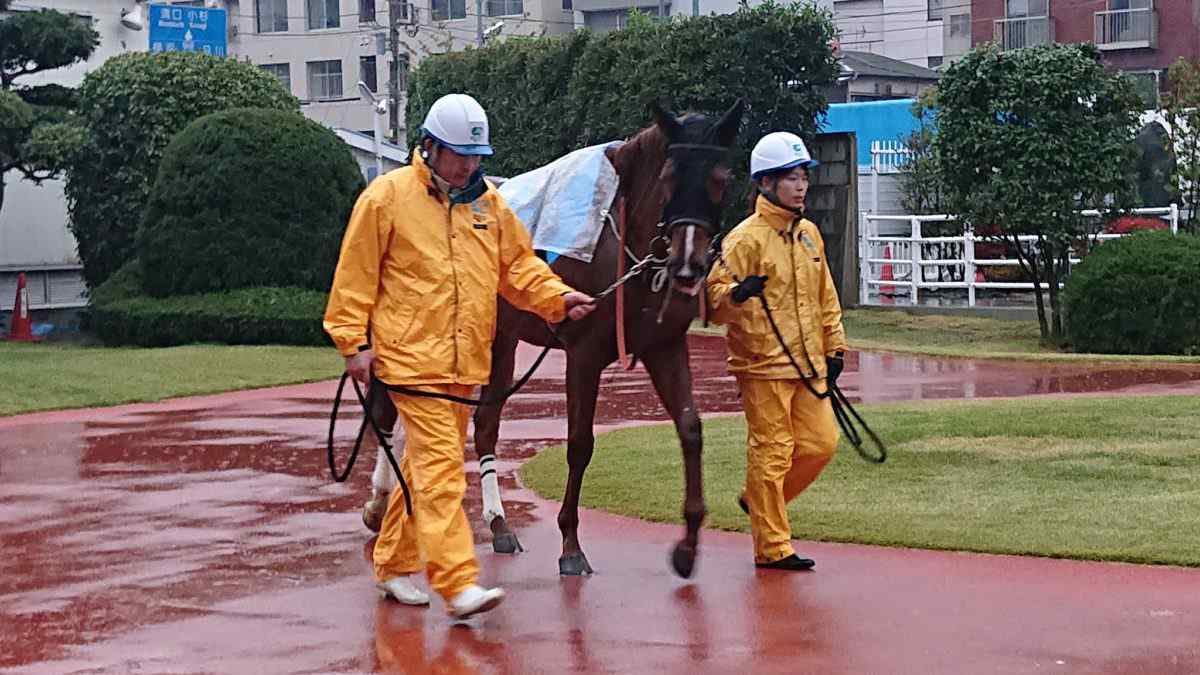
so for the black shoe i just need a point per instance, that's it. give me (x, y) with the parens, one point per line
(743, 505)
(793, 563)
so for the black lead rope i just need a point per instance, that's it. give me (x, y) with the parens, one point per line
(368, 419)
(843, 411)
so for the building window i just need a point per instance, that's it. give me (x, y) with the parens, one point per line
(282, 71)
(448, 10)
(367, 74)
(324, 80)
(323, 14)
(1129, 4)
(960, 25)
(1146, 84)
(399, 74)
(936, 10)
(567, 5)
(366, 11)
(505, 7)
(1023, 8)
(935, 62)
(271, 15)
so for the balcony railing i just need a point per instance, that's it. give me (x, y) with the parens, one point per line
(1025, 31)
(1127, 29)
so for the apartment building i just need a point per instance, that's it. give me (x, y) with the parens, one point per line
(321, 49)
(904, 30)
(1139, 37)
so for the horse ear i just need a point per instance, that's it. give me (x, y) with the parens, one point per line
(665, 121)
(727, 128)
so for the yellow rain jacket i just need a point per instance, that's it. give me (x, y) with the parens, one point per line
(789, 250)
(424, 274)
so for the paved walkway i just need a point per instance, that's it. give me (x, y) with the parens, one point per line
(202, 535)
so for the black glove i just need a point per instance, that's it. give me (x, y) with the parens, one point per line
(749, 287)
(834, 365)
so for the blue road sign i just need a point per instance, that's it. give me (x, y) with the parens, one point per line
(178, 28)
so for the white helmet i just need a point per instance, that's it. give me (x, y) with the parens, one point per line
(458, 122)
(778, 151)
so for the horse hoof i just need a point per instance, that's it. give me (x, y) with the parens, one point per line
(683, 560)
(506, 543)
(574, 565)
(373, 512)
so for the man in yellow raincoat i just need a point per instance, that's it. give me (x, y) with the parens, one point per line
(428, 248)
(777, 255)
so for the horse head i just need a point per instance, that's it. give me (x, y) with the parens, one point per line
(693, 182)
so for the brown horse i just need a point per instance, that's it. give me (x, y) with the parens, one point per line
(673, 178)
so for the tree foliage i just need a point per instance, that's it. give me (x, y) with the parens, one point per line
(548, 96)
(1027, 138)
(247, 198)
(921, 184)
(130, 108)
(1182, 107)
(33, 42)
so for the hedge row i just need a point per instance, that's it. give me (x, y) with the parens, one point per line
(249, 316)
(548, 96)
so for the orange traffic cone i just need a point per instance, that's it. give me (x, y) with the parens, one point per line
(21, 329)
(885, 272)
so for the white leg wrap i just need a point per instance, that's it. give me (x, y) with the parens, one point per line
(383, 479)
(493, 508)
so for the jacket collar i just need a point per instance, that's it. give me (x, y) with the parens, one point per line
(424, 173)
(438, 188)
(776, 216)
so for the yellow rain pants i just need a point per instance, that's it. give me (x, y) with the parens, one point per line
(437, 536)
(791, 436)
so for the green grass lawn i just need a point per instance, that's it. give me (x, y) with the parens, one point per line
(56, 375)
(1102, 479)
(965, 336)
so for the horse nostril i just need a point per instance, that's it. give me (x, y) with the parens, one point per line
(686, 273)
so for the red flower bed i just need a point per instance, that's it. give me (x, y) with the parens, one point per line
(1127, 224)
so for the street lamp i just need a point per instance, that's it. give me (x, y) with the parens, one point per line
(381, 110)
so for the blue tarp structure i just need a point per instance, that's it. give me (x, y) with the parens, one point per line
(871, 121)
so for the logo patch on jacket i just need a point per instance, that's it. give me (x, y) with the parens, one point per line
(479, 226)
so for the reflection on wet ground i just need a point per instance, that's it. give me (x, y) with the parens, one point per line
(203, 535)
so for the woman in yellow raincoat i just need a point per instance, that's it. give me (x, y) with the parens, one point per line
(778, 256)
(428, 248)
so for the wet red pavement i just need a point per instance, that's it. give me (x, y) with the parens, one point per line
(202, 535)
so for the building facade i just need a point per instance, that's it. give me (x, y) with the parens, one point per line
(1139, 37)
(904, 30)
(321, 49)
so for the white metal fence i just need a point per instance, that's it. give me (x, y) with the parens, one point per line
(898, 264)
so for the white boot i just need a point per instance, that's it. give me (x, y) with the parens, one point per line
(404, 591)
(475, 600)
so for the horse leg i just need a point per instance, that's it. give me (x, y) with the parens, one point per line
(487, 432)
(583, 384)
(383, 478)
(672, 377)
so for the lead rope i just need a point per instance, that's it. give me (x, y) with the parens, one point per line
(843, 411)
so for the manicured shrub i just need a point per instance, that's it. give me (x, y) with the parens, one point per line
(1137, 295)
(247, 198)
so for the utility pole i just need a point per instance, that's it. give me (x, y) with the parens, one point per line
(395, 16)
(478, 23)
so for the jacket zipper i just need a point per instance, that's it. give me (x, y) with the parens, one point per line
(791, 242)
(454, 274)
